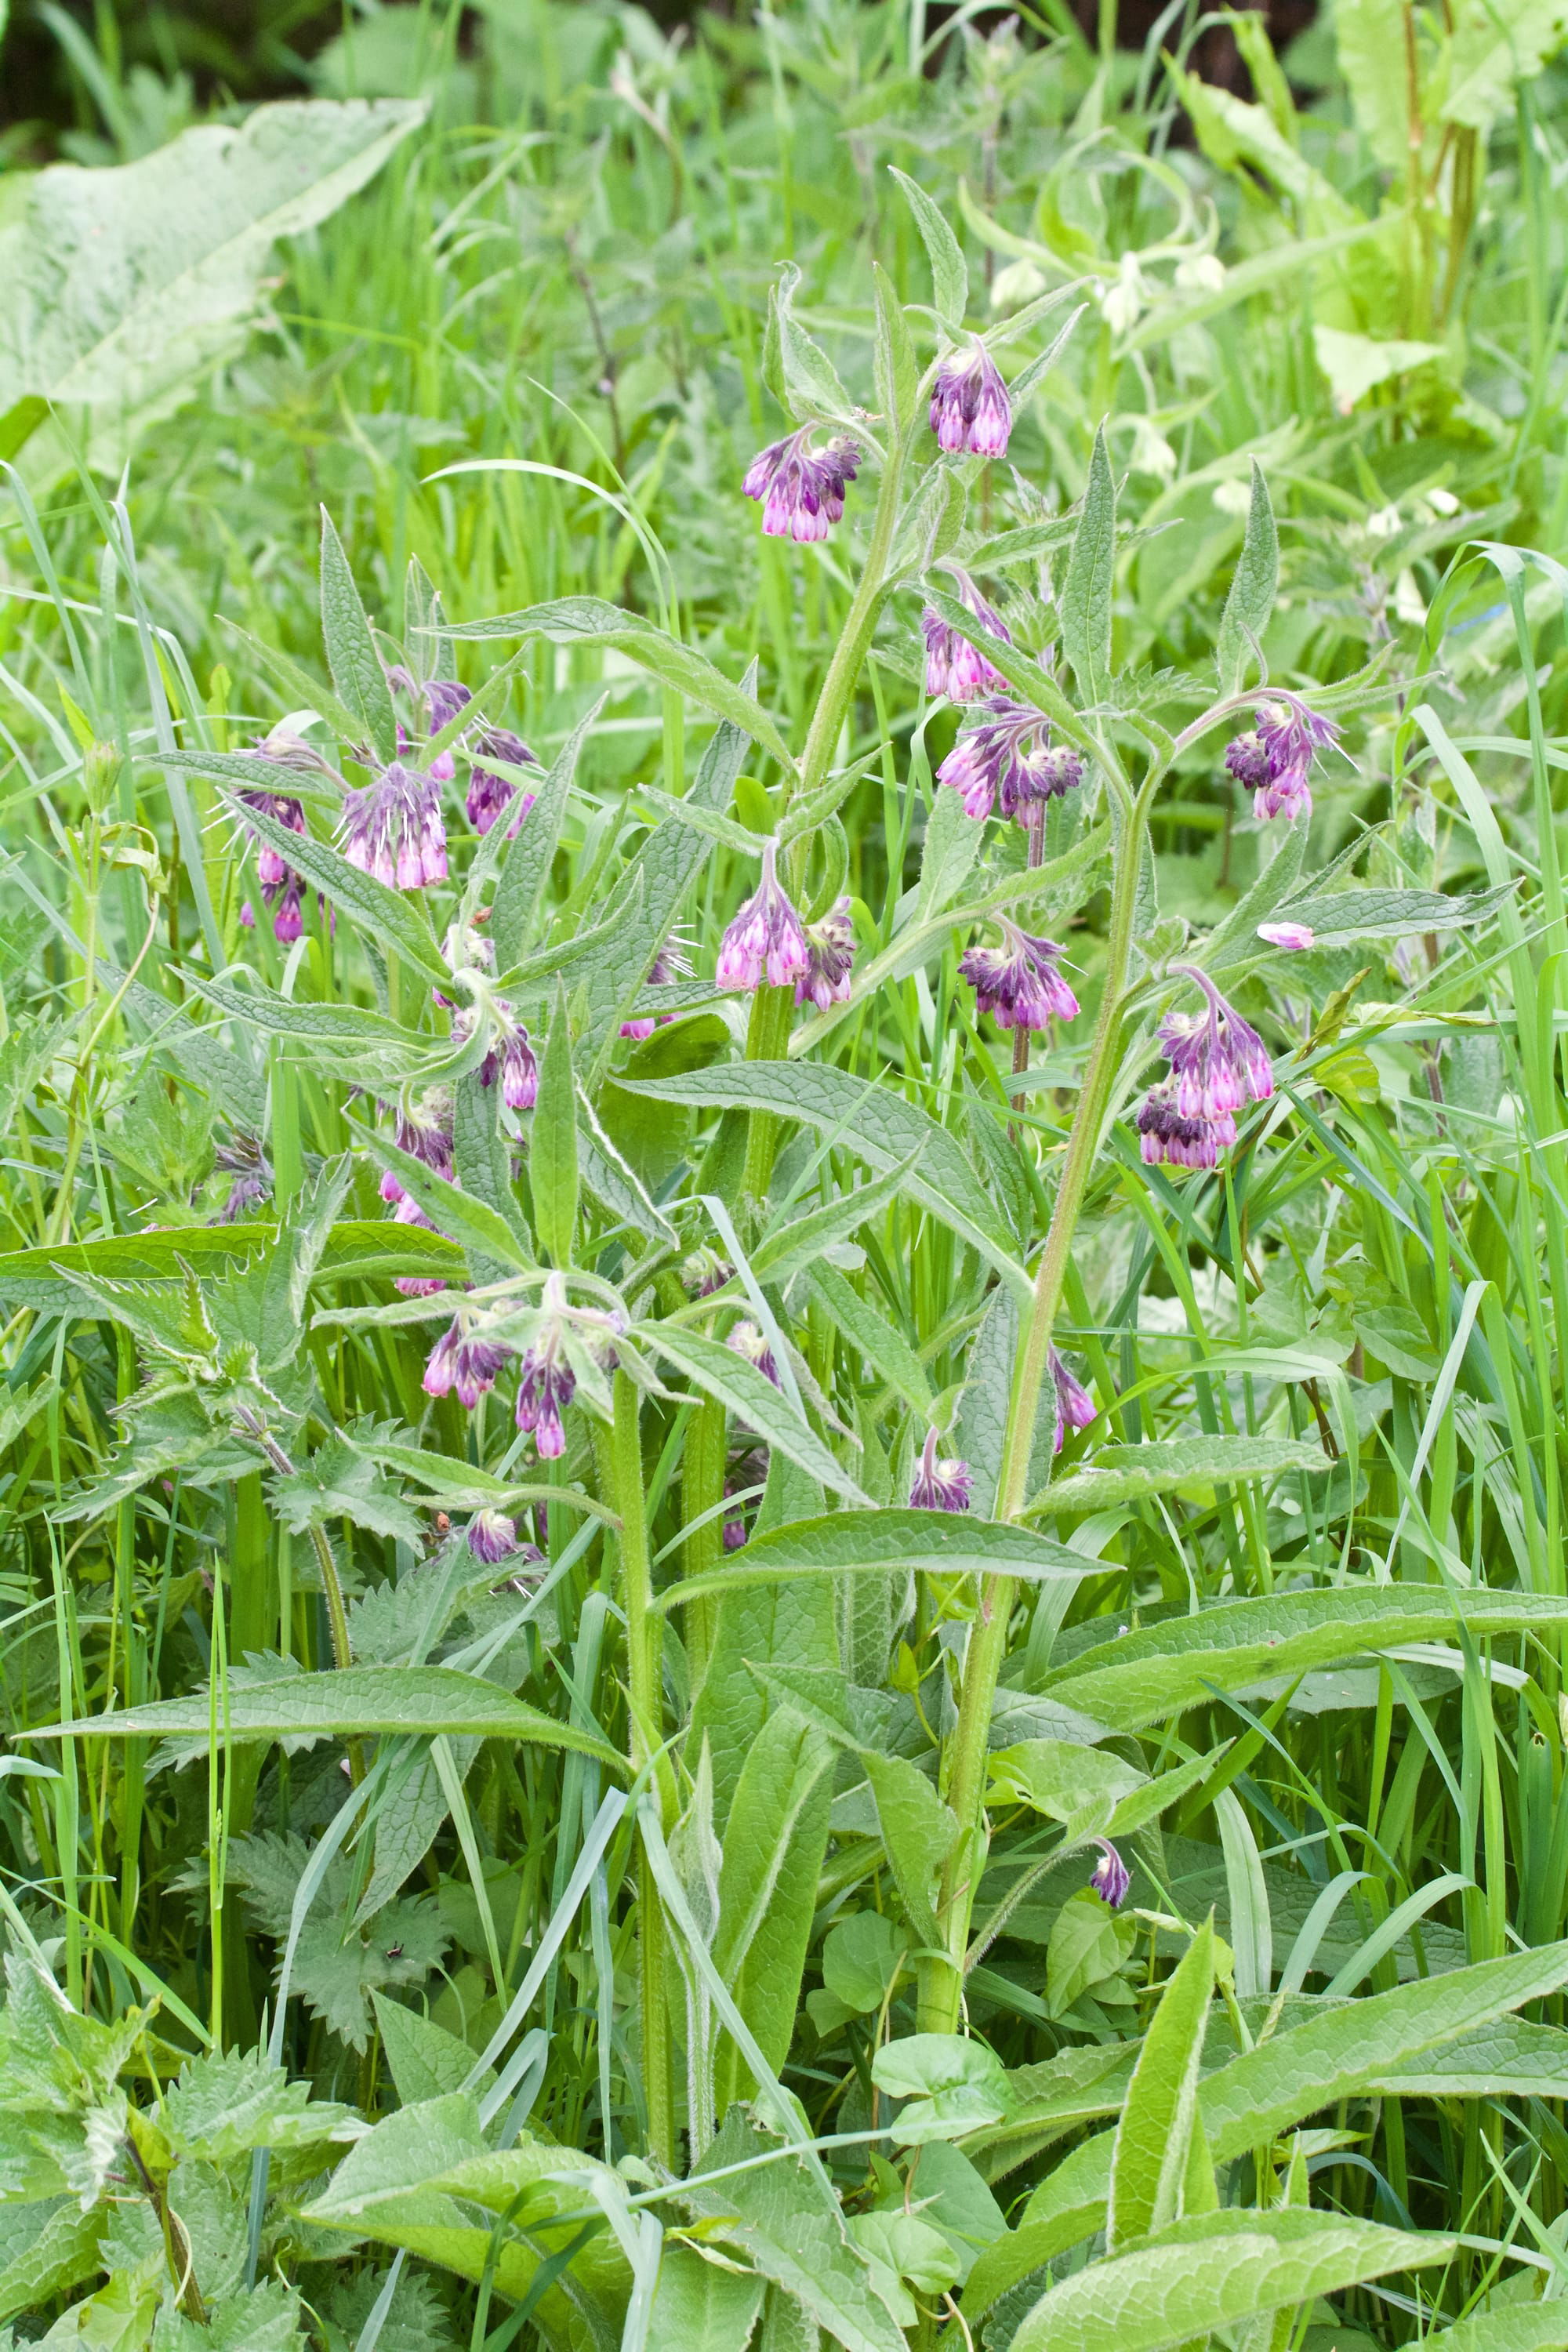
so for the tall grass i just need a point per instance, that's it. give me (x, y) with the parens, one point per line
(706, 1851)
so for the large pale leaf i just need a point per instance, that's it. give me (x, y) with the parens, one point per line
(1135, 1678)
(354, 1700)
(1119, 1474)
(1149, 2161)
(1213, 2272)
(123, 285)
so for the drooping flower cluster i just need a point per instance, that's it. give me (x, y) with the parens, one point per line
(940, 1485)
(670, 963)
(247, 1163)
(1075, 1407)
(282, 889)
(748, 1339)
(802, 489)
(511, 1059)
(766, 938)
(703, 1272)
(1018, 982)
(492, 1538)
(954, 666)
(490, 795)
(830, 957)
(969, 404)
(395, 828)
(1274, 760)
(1004, 761)
(546, 1386)
(1110, 1877)
(463, 1361)
(1218, 1062)
(425, 1133)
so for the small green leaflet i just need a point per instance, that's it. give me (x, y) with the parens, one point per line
(1253, 583)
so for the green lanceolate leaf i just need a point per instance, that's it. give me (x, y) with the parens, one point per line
(744, 1390)
(774, 1838)
(354, 1700)
(1215, 2272)
(1158, 1670)
(467, 1221)
(938, 1543)
(352, 656)
(349, 1031)
(895, 358)
(1253, 583)
(552, 1142)
(1343, 917)
(948, 272)
(589, 619)
(1090, 576)
(866, 1328)
(1149, 2161)
(879, 1126)
(1119, 1474)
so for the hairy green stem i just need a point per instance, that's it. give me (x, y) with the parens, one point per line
(701, 1492)
(644, 1633)
(942, 1980)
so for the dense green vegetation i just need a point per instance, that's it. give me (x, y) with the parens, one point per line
(685, 1671)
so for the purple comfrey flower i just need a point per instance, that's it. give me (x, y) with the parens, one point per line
(969, 404)
(1218, 1063)
(749, 1341)
(468, 1365)
(1110, 1877)
(1274, 760)
(246, 1161)
(802, 489)
(511, 1057)
(417, 1286)
(667, 965)
(830, 955)
(427, 1134)
(734, 1530)
(704, 1272)
(939, 1486)
(545, 1390)
(281, 887)
(490, 795)
(1002, 760)
(394, 829)
(1293, 936)
(1019, 981)
(766, 938)
(954, 666)
(1075, 1407)
(492, 1536)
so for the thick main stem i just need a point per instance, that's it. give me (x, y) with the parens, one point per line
(643, 1639)
(942, 1982)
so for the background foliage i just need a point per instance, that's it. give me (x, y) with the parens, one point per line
(330, 2006)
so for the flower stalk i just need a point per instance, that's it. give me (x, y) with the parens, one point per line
(941, 1982)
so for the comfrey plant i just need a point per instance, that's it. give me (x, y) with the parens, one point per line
(668, 1526)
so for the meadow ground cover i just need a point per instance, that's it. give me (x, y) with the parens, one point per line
(785, 1193)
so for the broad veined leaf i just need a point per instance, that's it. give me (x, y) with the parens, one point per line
(951, 2086)
(1251, 598)
(1213, 2272)
(60, 2252)
(877, 1125)
(354, 1700)
(700, 2307)
(1342, 918)
(1518, 2327)
(589, 619)
(940, 1543)
(352, 656)
(1149, 2158)
(1157, 1670)
(1092, 571)
(348, 1032)
(426, 2060)
(781, 2216)
(747, 1391)
(774, 1838)
(356, 1250)
(1121, 1474)
(123, 284)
